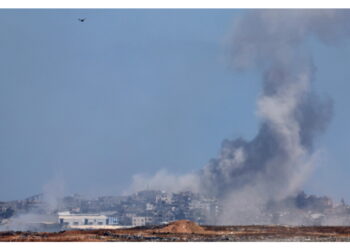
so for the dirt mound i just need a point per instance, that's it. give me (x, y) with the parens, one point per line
(182, 226)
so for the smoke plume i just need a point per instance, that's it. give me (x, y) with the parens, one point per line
(165, 181)
(249, 176)
(42, 216)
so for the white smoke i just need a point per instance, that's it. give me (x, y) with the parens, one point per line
(53, 194)
(165, 181)
(43, 213)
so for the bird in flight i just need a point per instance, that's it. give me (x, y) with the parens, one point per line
(81, 19)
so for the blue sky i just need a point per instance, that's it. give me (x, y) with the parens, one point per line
(135, 91)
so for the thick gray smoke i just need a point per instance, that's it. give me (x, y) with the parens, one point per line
(249, 174)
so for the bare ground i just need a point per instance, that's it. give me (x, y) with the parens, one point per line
(184, 230)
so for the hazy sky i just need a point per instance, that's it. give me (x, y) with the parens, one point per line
(135, 91)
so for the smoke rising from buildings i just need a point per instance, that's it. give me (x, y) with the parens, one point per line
(277, 161)
(165, 181)
(249, 175)
(41, 214)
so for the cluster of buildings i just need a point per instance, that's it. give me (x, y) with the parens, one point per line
(10, 208)
(158, 207)
(140, 209)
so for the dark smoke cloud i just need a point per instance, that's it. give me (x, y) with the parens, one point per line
(249, 175)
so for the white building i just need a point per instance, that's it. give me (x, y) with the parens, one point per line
(138, 221)
(68, 219)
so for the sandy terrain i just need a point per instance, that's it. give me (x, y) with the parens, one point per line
(184, 230)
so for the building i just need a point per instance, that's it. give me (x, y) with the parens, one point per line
(150, 206)
(138, 221)
(68, 219)
(164, 197)
(113, 220)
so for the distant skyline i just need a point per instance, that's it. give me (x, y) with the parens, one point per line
(90, 104)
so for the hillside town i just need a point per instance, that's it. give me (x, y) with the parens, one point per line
(152, 207)
(139, 209)
(146, 208)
